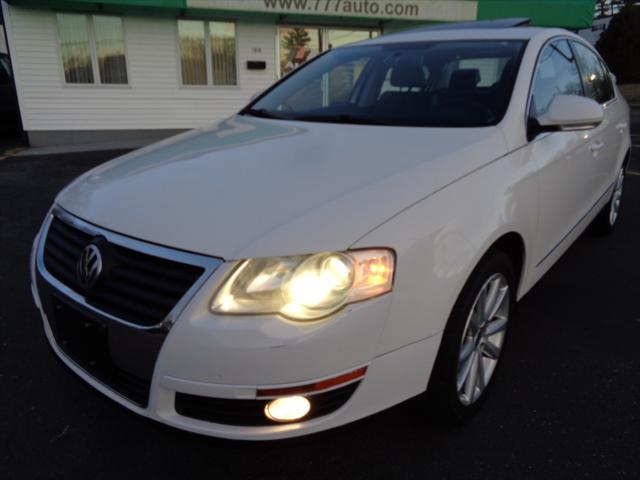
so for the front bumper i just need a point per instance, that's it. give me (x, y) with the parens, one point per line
(230, 358)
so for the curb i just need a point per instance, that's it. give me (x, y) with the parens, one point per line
(11, 152)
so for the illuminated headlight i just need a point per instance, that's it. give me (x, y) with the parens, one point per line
(305, 287)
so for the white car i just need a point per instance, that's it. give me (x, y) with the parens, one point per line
(358, 234)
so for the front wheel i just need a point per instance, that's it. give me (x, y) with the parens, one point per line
(607, 219)
(473, 339)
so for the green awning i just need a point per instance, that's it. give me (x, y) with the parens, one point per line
(572, 14)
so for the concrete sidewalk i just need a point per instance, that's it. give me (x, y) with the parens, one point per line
(88, 147)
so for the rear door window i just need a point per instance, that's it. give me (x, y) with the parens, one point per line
(608, 81)
(596, 81)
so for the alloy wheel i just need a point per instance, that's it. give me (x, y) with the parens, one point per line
(616, 199)
(483, 338)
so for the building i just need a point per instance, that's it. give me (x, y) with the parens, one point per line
(592, 34)
(89, 70)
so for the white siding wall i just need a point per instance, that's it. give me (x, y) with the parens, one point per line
(153, 99)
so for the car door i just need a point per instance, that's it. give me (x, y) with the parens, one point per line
(566, 167)
(605, 144)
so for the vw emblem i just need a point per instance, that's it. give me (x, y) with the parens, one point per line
(89, 266)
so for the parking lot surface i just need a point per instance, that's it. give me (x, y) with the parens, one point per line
(566, 403)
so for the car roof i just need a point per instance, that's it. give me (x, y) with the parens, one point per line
(467, 32)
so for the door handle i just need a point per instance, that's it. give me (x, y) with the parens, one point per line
(595, 146)
(621, 125)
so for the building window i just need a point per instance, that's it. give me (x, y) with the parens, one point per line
(74, 43)
(193, 55)
(222, 36)
(92, 48)
(110, 49)
(207, 52)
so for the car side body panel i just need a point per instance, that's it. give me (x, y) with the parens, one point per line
(621, 139)
(440, 240)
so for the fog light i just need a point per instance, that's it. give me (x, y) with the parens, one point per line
(287, 409)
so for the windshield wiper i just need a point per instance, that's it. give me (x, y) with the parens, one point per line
(340, 118)
(261, 113)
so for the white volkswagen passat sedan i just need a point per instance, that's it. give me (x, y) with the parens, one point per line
(358, 234)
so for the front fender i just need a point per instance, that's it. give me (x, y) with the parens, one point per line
(441, 239)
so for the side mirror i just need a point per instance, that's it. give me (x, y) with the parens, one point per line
(566, 113)
(572, 112)
(614, 79)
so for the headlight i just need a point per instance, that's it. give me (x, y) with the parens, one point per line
(305, 287)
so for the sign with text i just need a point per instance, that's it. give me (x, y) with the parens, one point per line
(435, 10)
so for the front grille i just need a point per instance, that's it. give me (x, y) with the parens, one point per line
(251, 412)
(100, 349)
(136, 287)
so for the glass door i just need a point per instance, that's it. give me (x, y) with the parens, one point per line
(297, 44)
(336, 37)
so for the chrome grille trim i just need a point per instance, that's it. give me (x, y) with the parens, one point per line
(209, 264)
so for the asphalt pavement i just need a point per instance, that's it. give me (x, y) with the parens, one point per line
(566, 402)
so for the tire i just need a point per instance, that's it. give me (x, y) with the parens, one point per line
(606, 221)
(452, 399)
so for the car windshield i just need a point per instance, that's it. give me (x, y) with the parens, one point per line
(431, 84)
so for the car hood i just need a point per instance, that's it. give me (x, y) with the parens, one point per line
(250, 187)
